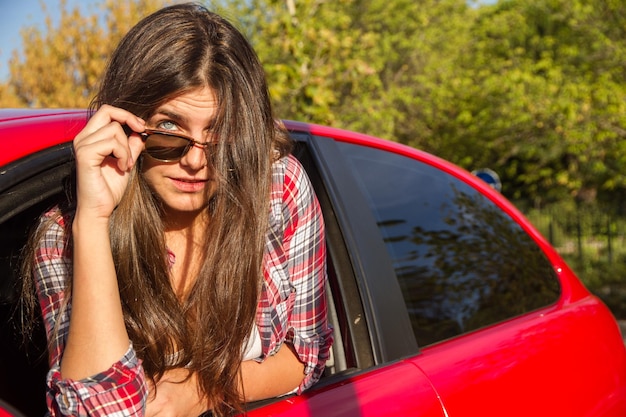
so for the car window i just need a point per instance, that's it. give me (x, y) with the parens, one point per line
(23, 365)
(31, 186)
(462, 263)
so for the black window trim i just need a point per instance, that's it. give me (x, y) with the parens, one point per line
(391, 334)
(349, 321)
(32, 179)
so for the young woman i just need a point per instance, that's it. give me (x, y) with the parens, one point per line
(187, 273)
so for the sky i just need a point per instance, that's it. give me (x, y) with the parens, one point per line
(17, 14)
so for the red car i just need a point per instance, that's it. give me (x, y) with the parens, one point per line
(444, 299)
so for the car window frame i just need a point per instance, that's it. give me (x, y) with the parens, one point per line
(390, 331)
(22, 178)
(351, 325)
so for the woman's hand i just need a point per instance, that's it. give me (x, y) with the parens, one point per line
(176, 396)
(104, 158)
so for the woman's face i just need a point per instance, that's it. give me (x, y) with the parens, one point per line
(184, 186)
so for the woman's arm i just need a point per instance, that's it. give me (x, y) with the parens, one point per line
(294, 328)
(94, 380)
(122, 387)
(97, 335)
(178, 393)
(276, 375)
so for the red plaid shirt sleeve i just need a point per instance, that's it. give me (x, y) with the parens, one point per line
(119, 391)
(292, 306)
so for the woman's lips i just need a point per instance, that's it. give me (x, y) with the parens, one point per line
(189, 185)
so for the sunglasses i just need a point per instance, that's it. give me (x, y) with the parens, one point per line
(171, 147)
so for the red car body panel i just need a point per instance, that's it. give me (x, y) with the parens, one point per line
(5, 413)
(399, 389)
(538, 364)
(22, 130)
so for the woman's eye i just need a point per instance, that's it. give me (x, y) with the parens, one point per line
(167, 125)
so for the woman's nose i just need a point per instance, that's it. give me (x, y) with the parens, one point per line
(195, 158)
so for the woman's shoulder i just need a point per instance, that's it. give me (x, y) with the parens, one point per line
(57, 215)
(291, 188)
(287, 167)
(53, 227)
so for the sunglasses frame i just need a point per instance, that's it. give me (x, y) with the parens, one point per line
(145, 135)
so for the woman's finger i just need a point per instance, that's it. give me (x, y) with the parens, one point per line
(136, 146)
(108, 141)
(108, 114)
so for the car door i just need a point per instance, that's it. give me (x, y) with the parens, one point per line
(502, 324)
(397, 389)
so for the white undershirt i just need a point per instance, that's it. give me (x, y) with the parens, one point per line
(254, 349)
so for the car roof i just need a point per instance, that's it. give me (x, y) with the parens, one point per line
(21, 134)
(21, 130)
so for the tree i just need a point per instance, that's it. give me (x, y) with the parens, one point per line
(59, 66)
(356, 64)
(540, 98)
(534, 89)
(313, 56)
(8, 98)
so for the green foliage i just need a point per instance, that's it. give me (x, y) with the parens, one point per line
(547, 102)
(531, 88)
(534, 89)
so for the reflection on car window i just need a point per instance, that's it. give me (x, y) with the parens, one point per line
(461, 262)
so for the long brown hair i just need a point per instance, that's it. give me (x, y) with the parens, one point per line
(171, 52)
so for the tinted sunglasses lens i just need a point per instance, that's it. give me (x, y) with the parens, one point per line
(166, 147)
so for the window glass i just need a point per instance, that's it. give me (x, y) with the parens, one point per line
(24, 360)
(461, 262)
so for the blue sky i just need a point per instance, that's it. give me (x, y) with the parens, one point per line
(17, 14)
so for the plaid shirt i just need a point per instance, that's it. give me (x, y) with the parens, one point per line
(292, 304)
